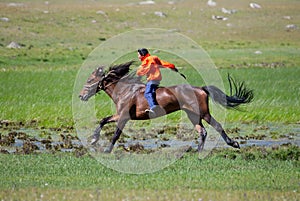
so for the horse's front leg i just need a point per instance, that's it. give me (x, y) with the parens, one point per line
(104, 121)
(118, 132)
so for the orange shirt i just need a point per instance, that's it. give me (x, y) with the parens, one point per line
(150, 67)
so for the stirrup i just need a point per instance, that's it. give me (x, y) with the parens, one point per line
(152, 114)
(149, 111)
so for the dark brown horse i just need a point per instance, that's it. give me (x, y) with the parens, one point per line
(127, 92)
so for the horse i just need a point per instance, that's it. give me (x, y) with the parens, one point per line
(127, 92)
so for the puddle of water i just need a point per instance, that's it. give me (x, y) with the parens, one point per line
(29, 140)
(262, 132)
(49, 140)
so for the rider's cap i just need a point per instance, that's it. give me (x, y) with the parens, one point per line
(143, 51)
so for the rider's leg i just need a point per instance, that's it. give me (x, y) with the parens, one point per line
(150, 94)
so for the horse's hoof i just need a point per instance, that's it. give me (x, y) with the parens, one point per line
(200, 147)
(94, 141)
(107, 151)
(235, 144)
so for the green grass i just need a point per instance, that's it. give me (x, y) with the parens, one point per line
(36, 83)
(211, 173)
(245, 57)
(163, 195)
(46, 96)
(275, 95)
(249, 170)
(37, 80)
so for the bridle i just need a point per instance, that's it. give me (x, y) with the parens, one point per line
(101, 85)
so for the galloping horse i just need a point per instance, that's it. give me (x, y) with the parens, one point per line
(127, 92)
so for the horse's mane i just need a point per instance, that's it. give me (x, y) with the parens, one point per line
(120, 72)
(120, 69)
(128, 83)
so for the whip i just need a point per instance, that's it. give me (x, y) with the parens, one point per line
(177, 71)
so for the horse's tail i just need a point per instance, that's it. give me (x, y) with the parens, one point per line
(241, 95)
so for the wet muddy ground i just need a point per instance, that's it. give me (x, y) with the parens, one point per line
(20, 138)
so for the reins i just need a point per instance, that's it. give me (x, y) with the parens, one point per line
(100, 83)
(105, 87)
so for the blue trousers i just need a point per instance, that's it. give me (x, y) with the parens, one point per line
(150, 93)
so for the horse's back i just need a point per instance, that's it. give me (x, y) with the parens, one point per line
(189, 97)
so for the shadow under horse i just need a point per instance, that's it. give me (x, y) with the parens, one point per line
(127, 92)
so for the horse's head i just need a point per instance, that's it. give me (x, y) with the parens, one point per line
(93, 84)
(99, 80)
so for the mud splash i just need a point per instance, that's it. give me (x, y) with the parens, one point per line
(19, 138)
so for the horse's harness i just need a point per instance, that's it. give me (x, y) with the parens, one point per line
(101, 83)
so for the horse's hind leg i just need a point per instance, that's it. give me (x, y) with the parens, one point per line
(196, 120)
(216, 125)
(202, 136)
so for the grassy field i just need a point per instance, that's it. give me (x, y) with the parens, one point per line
(41, 95)
(56, 37)
(250, 174)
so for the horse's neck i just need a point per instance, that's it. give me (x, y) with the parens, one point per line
(123, 90)
(110, 91)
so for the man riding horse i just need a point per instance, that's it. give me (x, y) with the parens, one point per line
(150, 68)
(118, 84)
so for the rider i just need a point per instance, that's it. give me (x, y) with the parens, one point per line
(151, 68)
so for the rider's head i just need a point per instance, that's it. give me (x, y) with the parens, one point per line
(142, 53)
